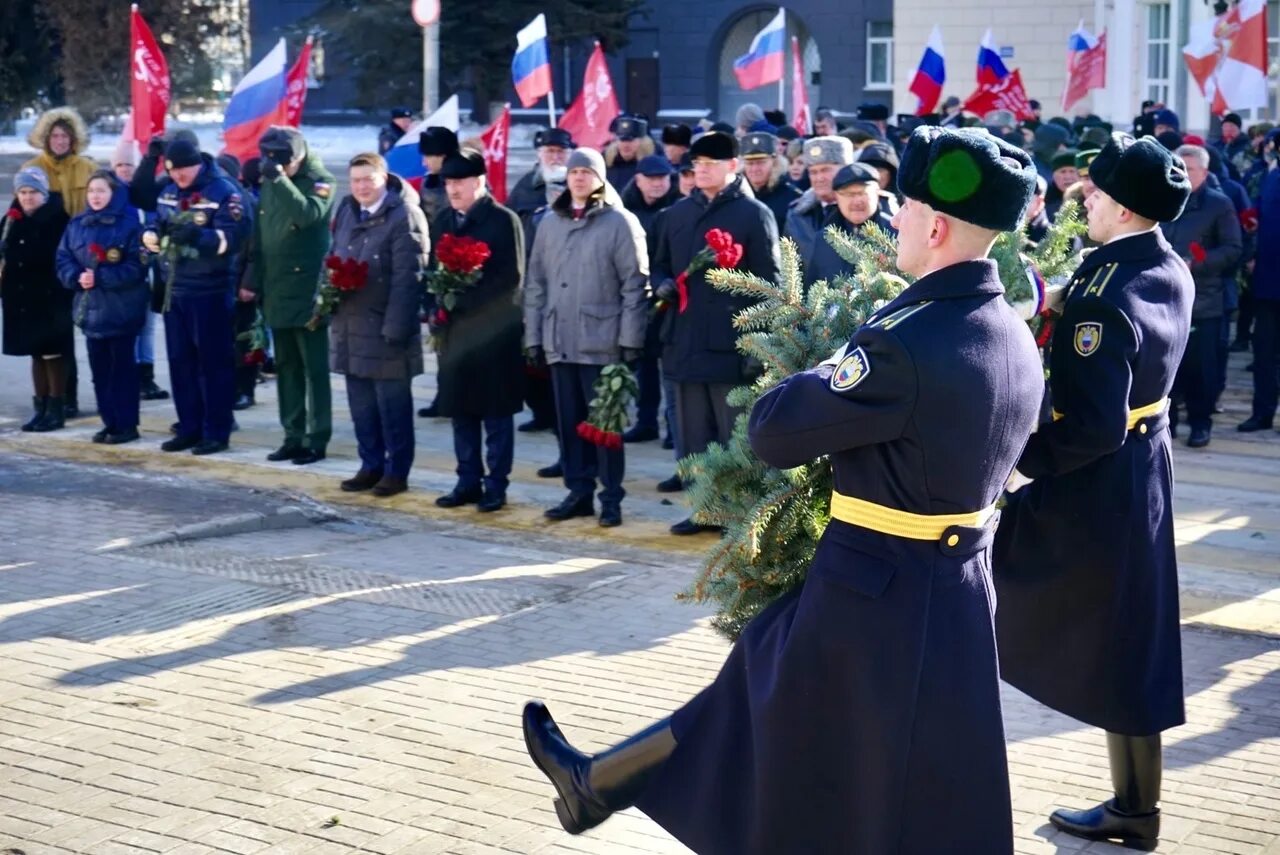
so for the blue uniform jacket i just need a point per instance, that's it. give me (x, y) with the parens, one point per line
(1266, 272)
(117, 304)
(869, 698)
(215, 199)
(1085, 565)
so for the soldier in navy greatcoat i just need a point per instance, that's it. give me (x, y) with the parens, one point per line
(1085, 567)
(868, 697)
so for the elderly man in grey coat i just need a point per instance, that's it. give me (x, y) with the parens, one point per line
(584, 308)
(824, 156)
(375, 334)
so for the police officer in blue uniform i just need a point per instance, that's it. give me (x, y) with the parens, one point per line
(867, 699)
(202, 213)
(1085, 567)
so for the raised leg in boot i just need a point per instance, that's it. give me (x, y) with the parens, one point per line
(1132, 818)
(590, 789)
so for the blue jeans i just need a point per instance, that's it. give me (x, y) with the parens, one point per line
(499, 446)
(199, 334)
(115, 381)
(382, 413)
(145, 350)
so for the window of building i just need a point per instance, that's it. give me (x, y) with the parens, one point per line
(1158, 68)
(879, 55)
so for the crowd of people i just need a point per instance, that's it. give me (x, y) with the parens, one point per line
(589, 264)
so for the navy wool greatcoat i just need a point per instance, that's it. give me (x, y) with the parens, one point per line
(1085, 565)
(860, 713)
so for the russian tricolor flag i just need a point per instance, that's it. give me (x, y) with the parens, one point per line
(762, 64)
(531, 66)
(932, 73)
(258, 102)
(991, 67)
(404, 159)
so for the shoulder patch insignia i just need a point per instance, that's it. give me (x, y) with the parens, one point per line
(1088, 338)
(113, 255)
(852, 370)
(323, 190)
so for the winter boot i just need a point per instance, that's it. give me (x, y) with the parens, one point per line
(147, 383)
(40, 404)
(53, 418)
(1132, 818)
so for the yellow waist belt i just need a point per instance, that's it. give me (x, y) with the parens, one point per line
(1136, 415)
(902, 523)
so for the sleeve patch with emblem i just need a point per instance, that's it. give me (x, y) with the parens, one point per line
(235, 206)
(852, 370)
(323, 190)
(1088, 338)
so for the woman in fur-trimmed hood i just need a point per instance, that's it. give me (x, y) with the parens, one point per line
(61, 135)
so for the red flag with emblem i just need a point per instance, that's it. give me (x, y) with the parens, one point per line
(1007, 93)
(802, 121)
(295, 86)
(495, 139)
(588, 117)
(148, 80)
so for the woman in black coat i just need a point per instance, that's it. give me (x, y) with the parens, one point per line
(37, 309)
(481, 366)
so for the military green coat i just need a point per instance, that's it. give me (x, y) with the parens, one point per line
(290, 243)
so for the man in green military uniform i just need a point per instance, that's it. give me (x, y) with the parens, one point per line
(288, 256)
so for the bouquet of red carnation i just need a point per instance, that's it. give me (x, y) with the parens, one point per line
(1249, 219)
(97, 256)
(14, 213)
(1197, 253)
(721, 251)
(342, 276)
(615, 389)
(459, 262)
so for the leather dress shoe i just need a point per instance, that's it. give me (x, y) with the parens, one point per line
(492, 502)
(610, 515)
(431, 412)
(534, 426)
(574, 505)
(668, 443)
(1199, 438)
(555, 470)
(1253, 424)
(1105, 822)
(687, 527)
(121, 437)
(671, 485)
(390, 485)
(640, 434)
(208, 446)
(180, 443)
(309, 456)
(457, 497)
(101, 436)
(286, 452)
(365, 479)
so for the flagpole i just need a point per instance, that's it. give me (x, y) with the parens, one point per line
(782, 78)
(551, 107)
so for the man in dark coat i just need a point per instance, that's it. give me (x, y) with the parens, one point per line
(622, 156)
(203, 213)
(700, 352)
(857, 189)
(1265, 293)
(401, 121)
(1207, 237)
(481, 363)
(290, 243)
(1086, 573)
(763, 168)
(823, 158)
(375, 337)
(867, 698)
(434, 145)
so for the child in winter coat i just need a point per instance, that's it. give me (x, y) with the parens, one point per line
(100, 259)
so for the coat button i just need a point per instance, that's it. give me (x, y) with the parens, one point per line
(953, 540)
(297, 270)
(1142, 429)
(564, 284)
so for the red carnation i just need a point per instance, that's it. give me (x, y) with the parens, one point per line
(255, 357)
(184, 205)
(332, 262)
(729, 258)
(441, 318)
(196, 198)
(719, 240)
(1249, 219)
(99, 254)
(459, 254)
(682, 292)
(14, 214)
(1198, 255)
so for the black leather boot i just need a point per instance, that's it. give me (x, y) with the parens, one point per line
(1132, 818)
(591, 789)
(53, 418)
(40, 404)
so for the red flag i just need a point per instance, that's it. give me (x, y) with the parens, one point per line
(1086, 70)
(1005, 94)
(802, 121)
(149, 80)
(495, 139)
(295, 86)
(588, 117)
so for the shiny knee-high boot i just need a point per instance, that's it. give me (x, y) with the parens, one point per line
(1132, 817)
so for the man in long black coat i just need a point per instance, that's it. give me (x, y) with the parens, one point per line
(1086, 573)
(481, 364)
(860, 713)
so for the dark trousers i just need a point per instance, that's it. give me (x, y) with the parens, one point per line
(382, 412)
(201, 344)
(115, 381)
(302, 386)
(499, 450)
(1244, 316)
(540, 397)
(583, 461)
(649, 379)
(246, 375)
(1266, 327)
(1197, 379)
(1221, 354)
(703, 416)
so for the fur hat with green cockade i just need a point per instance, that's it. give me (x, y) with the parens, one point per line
(968, 174)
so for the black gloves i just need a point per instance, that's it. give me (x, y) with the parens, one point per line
(270, 169)
(631, 355)
(535, 356)
(666, 291)
(186, 234)
(155, 148)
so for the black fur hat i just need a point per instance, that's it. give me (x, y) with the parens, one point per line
(1142, 175)
(715, 145)
(969, 174)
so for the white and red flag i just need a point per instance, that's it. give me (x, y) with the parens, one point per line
(1227, 56)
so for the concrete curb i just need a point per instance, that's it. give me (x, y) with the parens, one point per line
(288, 517)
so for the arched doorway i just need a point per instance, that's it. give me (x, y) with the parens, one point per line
(737, 41)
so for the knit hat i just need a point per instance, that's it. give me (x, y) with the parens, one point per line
(1167, 117)
(229, 164)
(33, 177)
(1143, 176)
(126, 152)
(179, 154)
(748, 115)
(587, 158)
(654, 166)
(968, 174)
